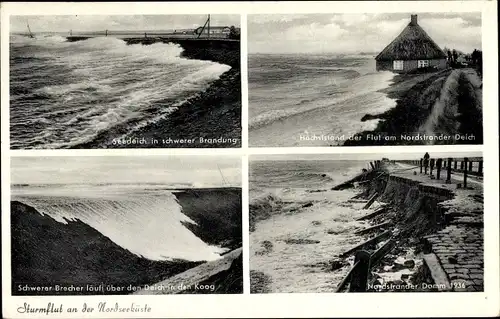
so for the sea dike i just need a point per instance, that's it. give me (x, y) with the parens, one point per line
(70, 257)
(442, 107)
(211, 118)
(436, 229)
(196, 105)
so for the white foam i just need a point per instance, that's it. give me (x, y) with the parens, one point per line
(326, 221)
(128, 79)
(146, 225)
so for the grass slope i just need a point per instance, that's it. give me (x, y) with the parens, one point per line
(217, 213)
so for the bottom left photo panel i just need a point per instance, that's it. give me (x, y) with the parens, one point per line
(119, 225)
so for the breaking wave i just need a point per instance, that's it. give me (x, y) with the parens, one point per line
(86, 88)
(147, 223)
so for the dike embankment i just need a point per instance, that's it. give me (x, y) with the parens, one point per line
(211, 118)
(443, 107)
(431, 231)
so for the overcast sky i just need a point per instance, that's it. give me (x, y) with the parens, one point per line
(77, 23)
(354, 33)
(361, 156)
(167, 170)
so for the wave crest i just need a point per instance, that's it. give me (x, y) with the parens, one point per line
(147, 225)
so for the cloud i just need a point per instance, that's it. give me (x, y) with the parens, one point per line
(126, 169)
(354, 33)
(454, 33)
(266, 18)
(64, 23)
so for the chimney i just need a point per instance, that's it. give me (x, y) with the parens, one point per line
(413, 19)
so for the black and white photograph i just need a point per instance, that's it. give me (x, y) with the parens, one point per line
(125, 81)
(120, 225)
(398, 222)
(249, 159)
(365, 79)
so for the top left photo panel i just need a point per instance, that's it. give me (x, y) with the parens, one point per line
(125, 81)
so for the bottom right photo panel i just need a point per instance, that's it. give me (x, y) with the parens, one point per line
(402, 222)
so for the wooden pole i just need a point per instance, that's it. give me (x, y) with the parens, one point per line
(369, 242)
(438, 168)
(346, 278)
(470, 166)
(462, 165)
(465, 171)
(208, 26)
(448, 173)
(480, 167)
(379, 211)
(455, 166)
(370, 201)
(359, 276)
(421, 164)
(432, 165)
(369, 229)
(371, 164)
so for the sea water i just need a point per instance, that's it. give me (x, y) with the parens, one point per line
(304, 237)
(145, 219)
(305, 95)
(63, 94)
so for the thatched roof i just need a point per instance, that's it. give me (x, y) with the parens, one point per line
(412, 44)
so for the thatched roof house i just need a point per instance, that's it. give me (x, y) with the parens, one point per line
(411, 49)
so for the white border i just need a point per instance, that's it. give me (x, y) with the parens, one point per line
(278, 305)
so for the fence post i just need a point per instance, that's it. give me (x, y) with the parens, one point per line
(465, 171)
(371, 164)
(455, 166)
(359, 276)
(480, 167)
(432, 165)
(462, 165)
(448, 173)
(438, 167)
(421, 164)
(470, 166)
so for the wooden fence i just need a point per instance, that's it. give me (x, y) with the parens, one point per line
(466, 166)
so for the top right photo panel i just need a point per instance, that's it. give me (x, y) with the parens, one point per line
(365, 79)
